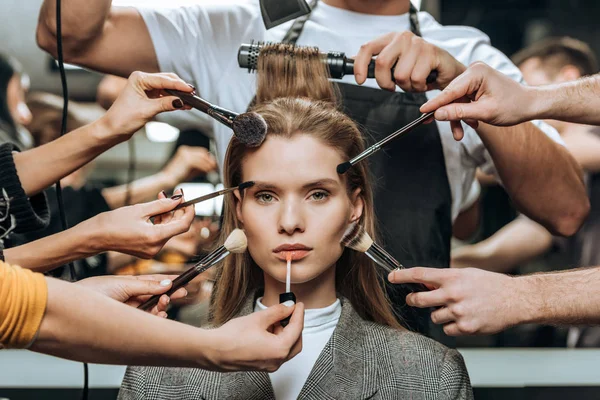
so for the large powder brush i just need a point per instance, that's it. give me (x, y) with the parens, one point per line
(356, 238)
(250, 128)
(236, 242)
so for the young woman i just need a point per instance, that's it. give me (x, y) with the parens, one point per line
(353, 346)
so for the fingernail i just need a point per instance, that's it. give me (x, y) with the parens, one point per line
(441, 115)
(165, 282)
(192, 86)
(181, 191)
(163, 193)
(176, 197)
(168, 300)
(177, 103)
(288, 303)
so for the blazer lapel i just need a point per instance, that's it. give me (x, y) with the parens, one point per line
(344, 369)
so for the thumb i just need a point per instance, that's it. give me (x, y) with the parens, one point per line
(142, 287)
(159, 206)
(274, 314)
(167, 103)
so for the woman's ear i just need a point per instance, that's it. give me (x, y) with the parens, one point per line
(238, 205)
(358, 205)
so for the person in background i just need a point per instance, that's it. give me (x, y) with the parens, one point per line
(14, 114)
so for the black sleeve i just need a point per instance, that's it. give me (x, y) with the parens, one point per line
(31, 214)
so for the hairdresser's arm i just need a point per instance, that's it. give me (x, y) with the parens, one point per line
(542, 178)
(139, 102)
(127, 230)
(83, 325)
(96, 35)
(187, 163)
(515, 243)
(484, 94)
(472, 301)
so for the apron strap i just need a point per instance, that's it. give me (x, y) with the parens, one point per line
(292, 35)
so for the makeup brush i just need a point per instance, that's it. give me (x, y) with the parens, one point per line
(236, 243)
(241, 187)
(359, 240)
(343, 167)
(249, 128)
(288, 295)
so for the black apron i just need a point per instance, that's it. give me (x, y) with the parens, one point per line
(412, 195)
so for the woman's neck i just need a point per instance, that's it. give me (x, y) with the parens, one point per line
(317, 293)
(373, 7)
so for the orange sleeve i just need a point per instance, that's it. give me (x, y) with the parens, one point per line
(23, 298)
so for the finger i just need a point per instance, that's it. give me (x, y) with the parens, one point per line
(166, 104)
(451, 329)
(179, 294)
(424, 65)
(181, 212)
(365, 54)
(162, 81)
(457, 130)
(162, 314)
(433, 298)
(155, 277)
(456, 90)
(385, 61)
(159, 206)
(432, 276)
(274, 314)
(176, 226)
(140, 287)
(296, 348)
(472, 123)
(406, 64)
(462, 111)
(158, 218)
(293, 331)
(163, 303)
(442, 316)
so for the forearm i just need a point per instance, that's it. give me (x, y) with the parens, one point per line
(45, 254)
(40, 167)
(514, 244)
(139, 190)
(85, 326)
(569, 297)
(542, 178)
(576, 101)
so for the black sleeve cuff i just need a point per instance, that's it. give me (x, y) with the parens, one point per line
(31, 213)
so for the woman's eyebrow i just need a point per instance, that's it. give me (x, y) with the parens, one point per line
(321, 182)
(258, 185)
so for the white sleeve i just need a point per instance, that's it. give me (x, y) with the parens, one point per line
(199, 42)
(471, 196)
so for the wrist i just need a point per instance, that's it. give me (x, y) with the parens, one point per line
(208, 349)
(536, 103)
(527, 300)
(107, 133)
(96, 235)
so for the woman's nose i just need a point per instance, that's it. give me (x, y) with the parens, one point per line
(291, 219)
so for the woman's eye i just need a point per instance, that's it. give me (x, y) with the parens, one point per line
(319, 196)
(264, 197)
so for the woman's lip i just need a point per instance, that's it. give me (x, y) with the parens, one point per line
(291, 247)
(295, 254)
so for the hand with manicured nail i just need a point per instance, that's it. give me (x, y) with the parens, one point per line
(141, 100)
(130, 229)
(134, 290)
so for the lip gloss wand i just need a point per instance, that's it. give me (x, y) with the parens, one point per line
(288, 295)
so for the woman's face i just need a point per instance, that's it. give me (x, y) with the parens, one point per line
(15, 97)
(299, 205)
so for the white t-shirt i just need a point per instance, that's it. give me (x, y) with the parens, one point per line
(319, 324)
(200, 44)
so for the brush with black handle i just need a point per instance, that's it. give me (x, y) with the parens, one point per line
(236, 243)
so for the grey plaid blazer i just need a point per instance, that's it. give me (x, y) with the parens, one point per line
(362, 360)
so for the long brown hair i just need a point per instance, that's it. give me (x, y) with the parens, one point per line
(294, 96)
